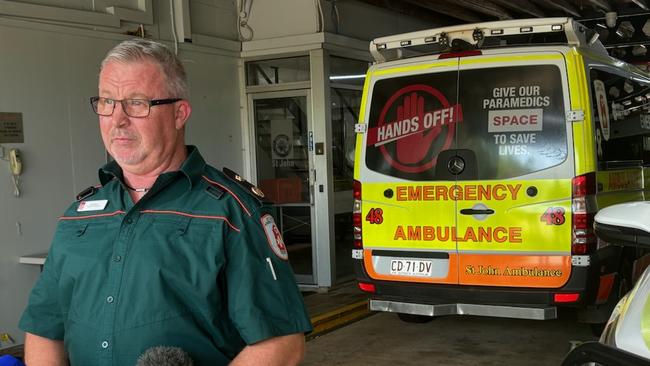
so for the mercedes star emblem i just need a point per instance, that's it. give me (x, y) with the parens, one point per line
(456, 165)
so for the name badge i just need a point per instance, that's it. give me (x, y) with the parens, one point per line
(96, 205)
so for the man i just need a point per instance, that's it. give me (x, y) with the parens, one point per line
(168, 251)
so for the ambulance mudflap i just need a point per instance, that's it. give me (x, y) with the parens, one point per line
(466, 173)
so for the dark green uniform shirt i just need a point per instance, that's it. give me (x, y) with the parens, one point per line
(193, 264)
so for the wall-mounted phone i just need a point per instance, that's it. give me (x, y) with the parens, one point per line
(15, 162)
(15, 166)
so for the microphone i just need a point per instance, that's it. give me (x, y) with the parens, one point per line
(164, 356)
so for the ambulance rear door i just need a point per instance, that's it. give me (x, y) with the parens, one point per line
(411, 116)
(513, 166)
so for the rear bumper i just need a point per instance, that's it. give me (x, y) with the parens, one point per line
(538, 303)
(519, 312)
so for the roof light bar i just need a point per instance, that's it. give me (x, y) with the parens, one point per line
(474, 34)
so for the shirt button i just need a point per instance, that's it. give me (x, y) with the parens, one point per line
(109, 299)
(117, 258)
(105, 344)
(129, 221)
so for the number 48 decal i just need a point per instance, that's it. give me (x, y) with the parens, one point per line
(553, 216)
(375, 216)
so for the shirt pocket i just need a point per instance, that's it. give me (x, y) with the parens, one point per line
(82, 252)
(83, 247)
(182, 239)
(181, 256)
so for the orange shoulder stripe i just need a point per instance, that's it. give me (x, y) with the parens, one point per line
(118, 212)
(193, 215)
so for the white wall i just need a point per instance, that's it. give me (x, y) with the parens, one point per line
(272, 19)
(279, 18)
(363, 21)
(216, 18)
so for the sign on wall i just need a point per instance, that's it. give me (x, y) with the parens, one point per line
(11, 128)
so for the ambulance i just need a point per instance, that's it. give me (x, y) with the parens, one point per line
(483, 153)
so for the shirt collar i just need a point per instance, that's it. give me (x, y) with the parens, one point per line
(194, 165)
(192, 168)
(109, 172)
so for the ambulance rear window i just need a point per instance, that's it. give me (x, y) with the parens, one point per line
(504, 121)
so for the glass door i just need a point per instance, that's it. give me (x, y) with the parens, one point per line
(283, 165)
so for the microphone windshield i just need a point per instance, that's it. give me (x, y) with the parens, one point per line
(164, 356)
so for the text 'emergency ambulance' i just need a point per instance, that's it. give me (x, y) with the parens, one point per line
(497, 234)
(468, 192)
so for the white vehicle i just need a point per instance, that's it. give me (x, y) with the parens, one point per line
(626, 338)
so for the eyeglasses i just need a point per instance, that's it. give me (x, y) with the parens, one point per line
(137, 108)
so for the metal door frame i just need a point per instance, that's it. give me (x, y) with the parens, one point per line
(302, 279)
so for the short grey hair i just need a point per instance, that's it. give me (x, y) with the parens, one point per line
(141, 49)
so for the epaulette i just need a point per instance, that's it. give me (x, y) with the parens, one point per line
(248, 186)
(87, 193)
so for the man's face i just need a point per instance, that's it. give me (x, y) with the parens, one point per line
(141, 145)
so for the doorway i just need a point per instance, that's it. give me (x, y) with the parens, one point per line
(283, 167)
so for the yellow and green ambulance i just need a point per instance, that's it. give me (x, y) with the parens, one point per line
(483, 152)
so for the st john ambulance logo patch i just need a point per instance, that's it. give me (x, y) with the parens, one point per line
(274, 237)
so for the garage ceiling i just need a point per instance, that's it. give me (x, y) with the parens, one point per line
(472, 11)
(625, 38)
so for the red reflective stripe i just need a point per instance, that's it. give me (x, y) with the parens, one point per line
(229, 191)
(193, 215)
(566, 297)
(90, 216)
(367, 287)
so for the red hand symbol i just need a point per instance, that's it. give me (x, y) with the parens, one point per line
(412, 149)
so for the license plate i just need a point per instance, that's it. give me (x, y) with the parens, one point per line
(411, 267)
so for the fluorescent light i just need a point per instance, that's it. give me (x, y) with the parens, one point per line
(346, 77)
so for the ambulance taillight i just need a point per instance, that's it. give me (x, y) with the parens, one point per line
(356, 214)
(566, 297)
(367, 287)
(582, 214)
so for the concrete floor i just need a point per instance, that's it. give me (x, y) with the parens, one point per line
(382, 339)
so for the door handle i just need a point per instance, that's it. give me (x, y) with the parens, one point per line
(473, 211)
